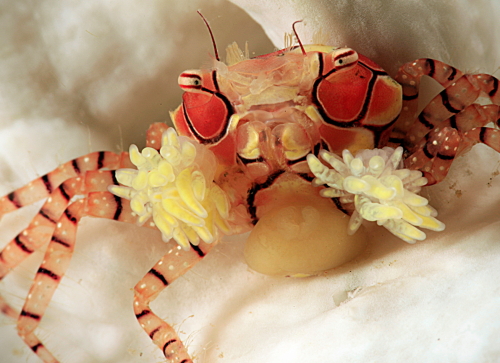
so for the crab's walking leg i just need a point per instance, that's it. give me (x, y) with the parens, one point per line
(41, 187)
(36, 235)
(451, 129)
(58, 195)
(175, 263)
(409, 76)
(60, 249)
(48, 276)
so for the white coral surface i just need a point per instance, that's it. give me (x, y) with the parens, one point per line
(380, 189)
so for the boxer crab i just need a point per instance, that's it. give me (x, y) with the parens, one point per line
(250, 132)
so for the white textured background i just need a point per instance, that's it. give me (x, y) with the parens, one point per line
(82, 76)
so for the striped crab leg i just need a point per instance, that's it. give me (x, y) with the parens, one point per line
(60, 250)
(451, 123)
(409, 77)
(175, 263)
(47, 278)
(43, 186)
(436, 151)
(58, 194)
(452, 101)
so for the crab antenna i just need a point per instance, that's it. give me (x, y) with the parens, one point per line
(211, 35)
(297, 36)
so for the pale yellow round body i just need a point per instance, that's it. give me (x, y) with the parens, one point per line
(302, 237)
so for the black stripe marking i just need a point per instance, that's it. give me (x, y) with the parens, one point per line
(427, 152)
(396, 140)
(70, 217)
(316, 149)
(76, 168)
(159, 276)
(113, 176)
(453, 74)
(445, 157)
(379, 130)
(47, 183)
(142, 313)
(482, 135)
(446, 102)
(46, 216)
(48, 273)
(57, 240)
(36, 347)
(12, 198)
(30, 315)
(453, 122)
(252, 192)
(171, 341)
(321, 63)
(306, 177)
(495, 87)
(186, 360)
(198, 250)
(119, 208)
(293, 162)
(100, 159)
(153, 332)
(63, 192)
(410, 98)
(214, 80)
(21, 245)
(424, 121)
(431, 67)
(339, 205)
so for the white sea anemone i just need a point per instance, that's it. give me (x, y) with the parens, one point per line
(175, 187)
(379, 188)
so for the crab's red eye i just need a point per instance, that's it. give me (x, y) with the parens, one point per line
(190, 80)
(344, 57)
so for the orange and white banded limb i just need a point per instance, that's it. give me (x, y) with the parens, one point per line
(451, 123)
(54, 229)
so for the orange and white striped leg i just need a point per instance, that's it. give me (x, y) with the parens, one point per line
(174, 264)
(453, 100)
(409, 76)
(58, 187)
(41, 187)
(61, 246)
(48, 276)
(438, 150)
(38, 232)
